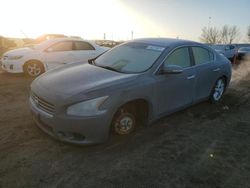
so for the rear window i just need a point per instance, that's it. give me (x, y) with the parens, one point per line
(83, 46)
(202, 55)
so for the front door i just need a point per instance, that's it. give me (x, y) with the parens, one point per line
(59, 54)
(175, 91)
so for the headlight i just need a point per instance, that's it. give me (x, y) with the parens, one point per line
(15, 57)
(87, 108)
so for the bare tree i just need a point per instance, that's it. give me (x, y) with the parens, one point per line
(210, 35)
(225, 35)
(229, 34)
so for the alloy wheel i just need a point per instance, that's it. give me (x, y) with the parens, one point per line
(124, 124)
(33, 69)
(219, 89)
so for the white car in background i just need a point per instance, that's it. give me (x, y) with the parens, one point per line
(37, 59)
(228, 50)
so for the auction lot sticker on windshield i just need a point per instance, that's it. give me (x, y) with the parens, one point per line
(155, 48)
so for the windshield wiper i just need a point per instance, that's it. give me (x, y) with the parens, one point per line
(91, 61)
(109, 68)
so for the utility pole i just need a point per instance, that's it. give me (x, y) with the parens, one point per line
(24, 34)
(132, 35)
(248, 33)
(209, 21)
(104, 36)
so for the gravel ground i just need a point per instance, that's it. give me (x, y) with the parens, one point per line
(203, 146)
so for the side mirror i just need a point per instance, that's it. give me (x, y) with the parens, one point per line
(172, 69)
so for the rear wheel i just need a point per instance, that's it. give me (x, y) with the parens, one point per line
(218, 90)
(33, 68)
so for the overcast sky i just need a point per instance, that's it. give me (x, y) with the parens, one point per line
(90, 19)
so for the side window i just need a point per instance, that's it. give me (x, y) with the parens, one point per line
(61, 46)
(83, 46)
(201, 55)
(179, 57)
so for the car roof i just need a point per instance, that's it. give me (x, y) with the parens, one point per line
(65, 39)
(49, 42)
(166, 41)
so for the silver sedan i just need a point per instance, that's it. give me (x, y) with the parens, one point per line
(133, 84)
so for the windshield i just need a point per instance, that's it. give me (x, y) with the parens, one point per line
(131, 57)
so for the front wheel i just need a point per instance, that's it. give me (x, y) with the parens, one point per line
(33, 68)
(124, 122)
(218, 90)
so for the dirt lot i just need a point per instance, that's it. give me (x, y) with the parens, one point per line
(203, 146)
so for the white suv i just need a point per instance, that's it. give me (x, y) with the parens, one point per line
(35, 60)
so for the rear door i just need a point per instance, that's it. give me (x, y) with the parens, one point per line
(207, 71)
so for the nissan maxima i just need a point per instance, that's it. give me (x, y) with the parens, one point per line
(133, 84)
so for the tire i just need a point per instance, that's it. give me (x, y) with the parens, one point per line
(124, 122)
(33, 68)
(218, 90)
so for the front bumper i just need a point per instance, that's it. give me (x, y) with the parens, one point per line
(76, 130)
(12, 66)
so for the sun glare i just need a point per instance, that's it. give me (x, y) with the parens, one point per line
(143, 25)
(89, 19)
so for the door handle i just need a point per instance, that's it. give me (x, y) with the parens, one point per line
(191, 77)
(216, 70)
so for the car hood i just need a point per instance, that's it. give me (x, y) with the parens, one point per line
(19, 51)
(73, 79)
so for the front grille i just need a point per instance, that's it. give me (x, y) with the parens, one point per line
(43, 104)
